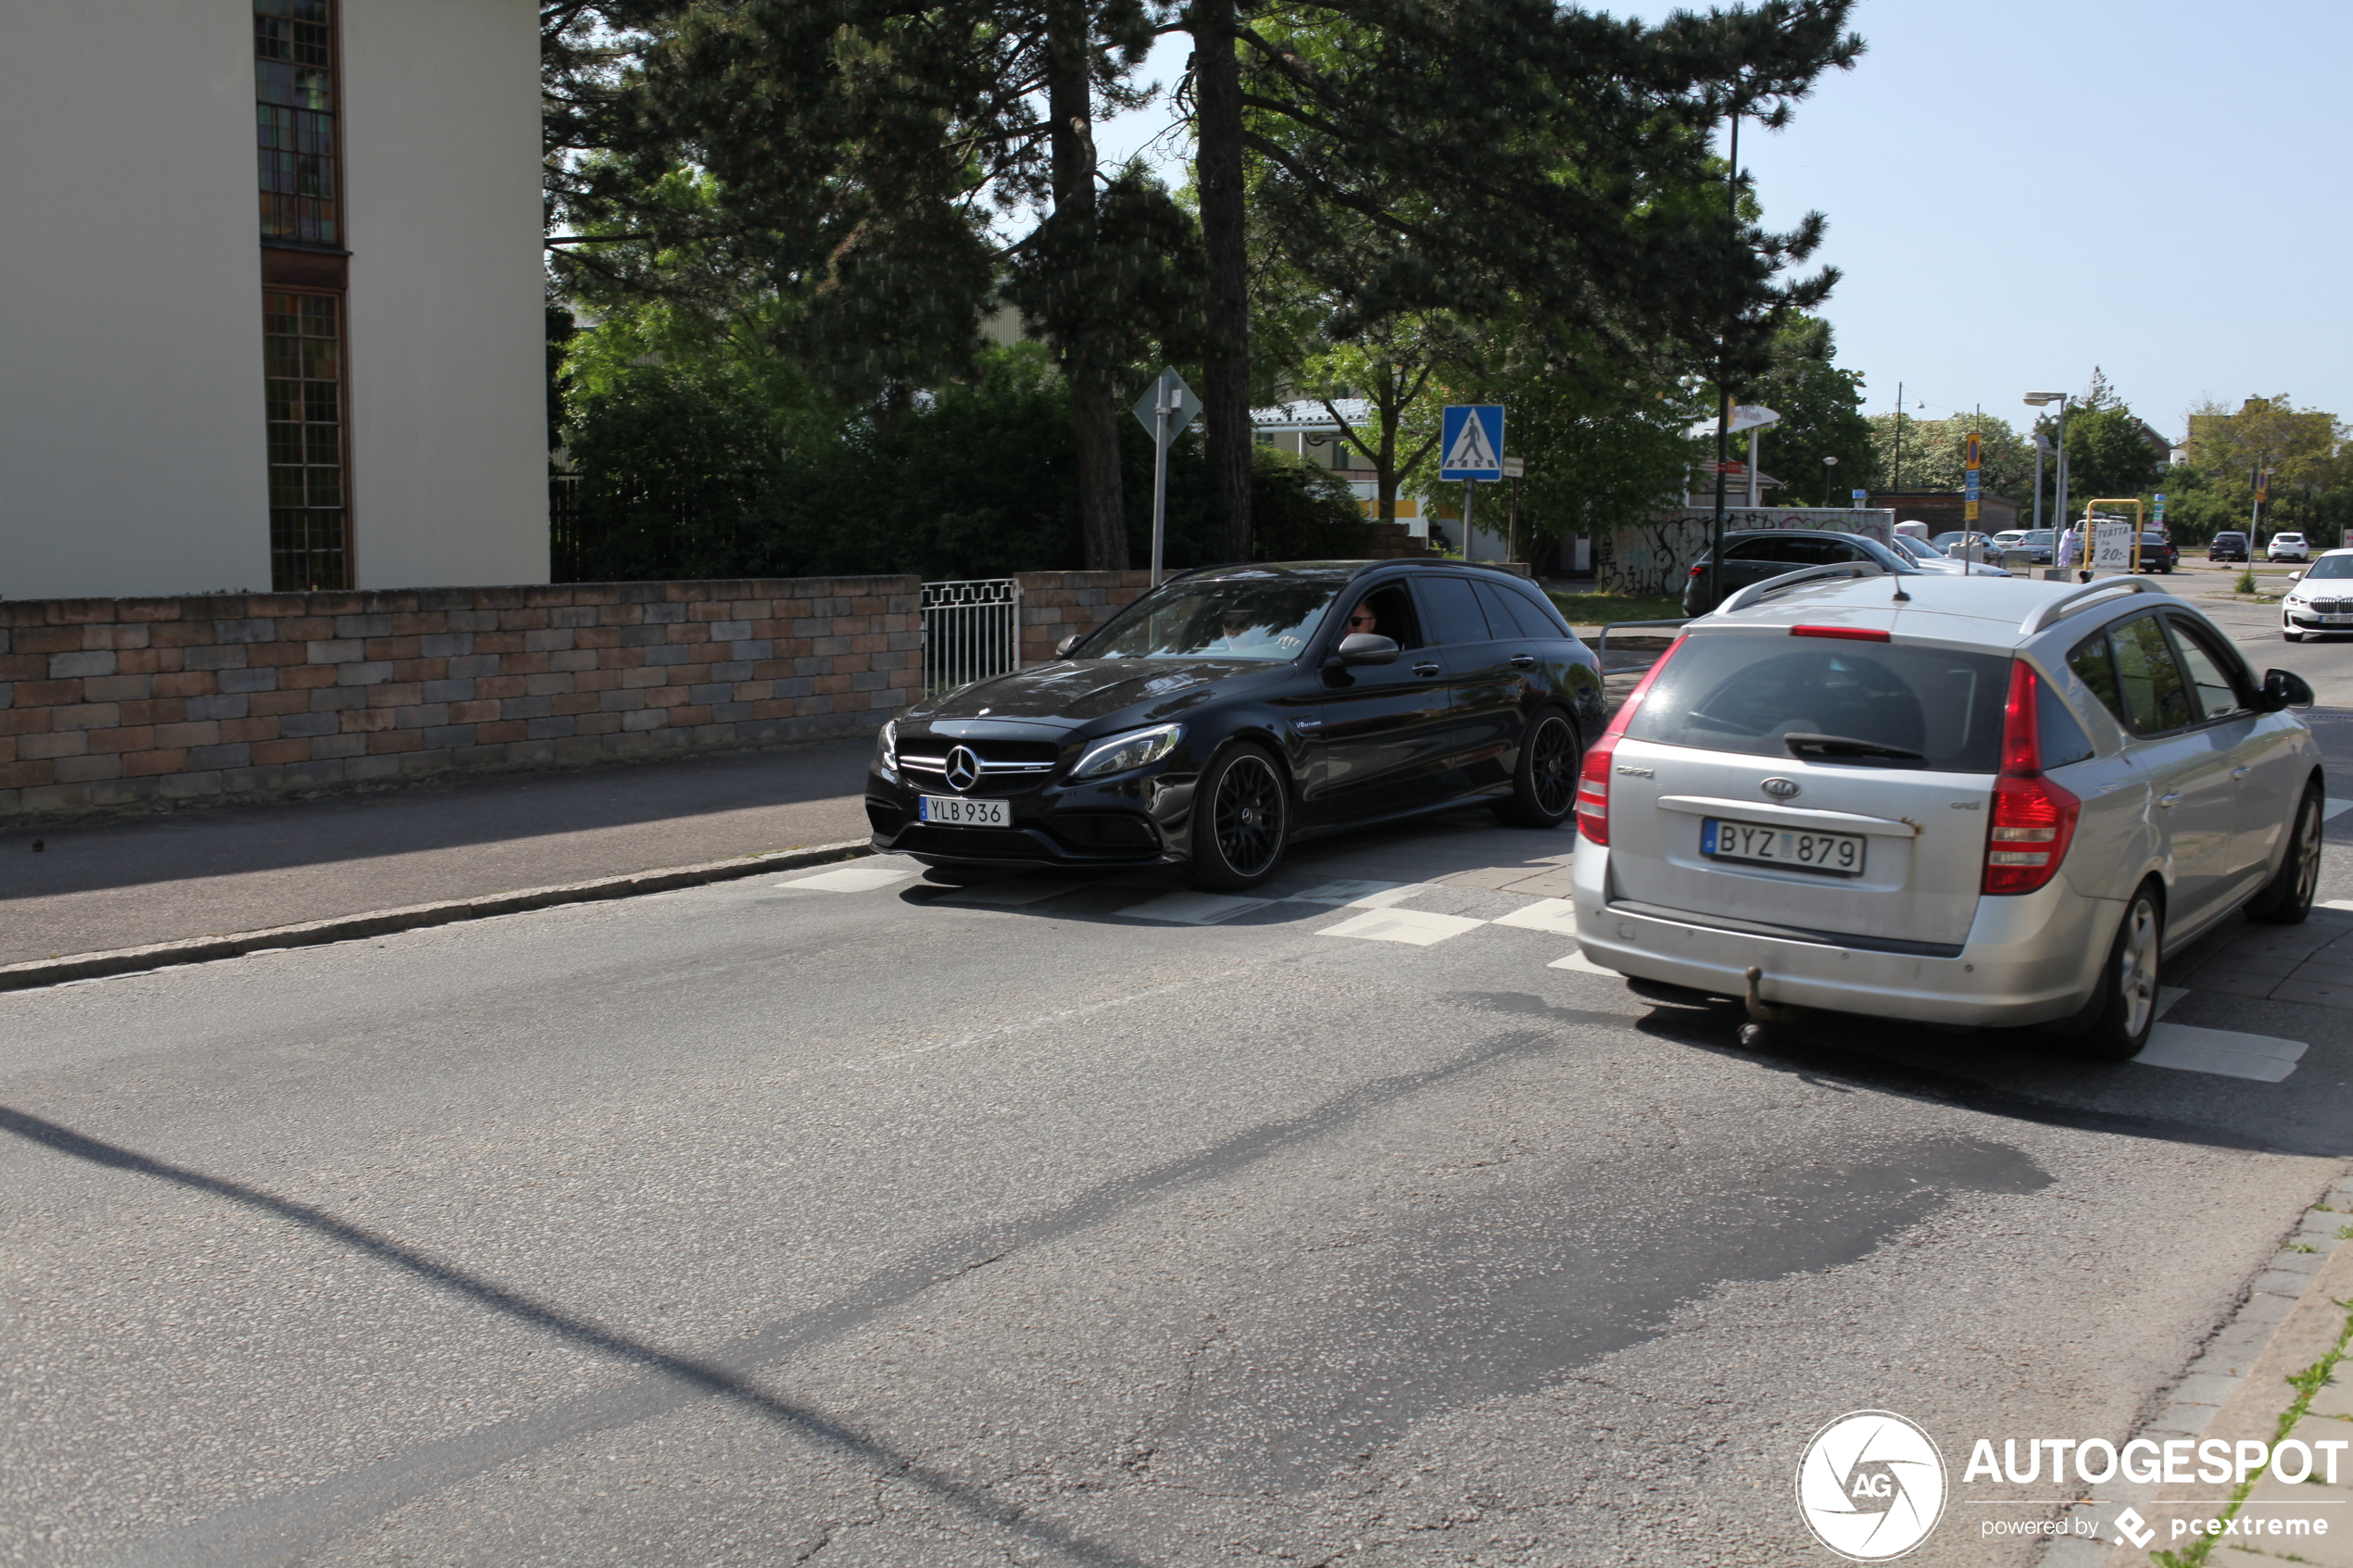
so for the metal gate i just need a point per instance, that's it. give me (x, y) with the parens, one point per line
(972, 630)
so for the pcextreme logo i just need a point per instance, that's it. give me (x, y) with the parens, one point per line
(1870, 1486)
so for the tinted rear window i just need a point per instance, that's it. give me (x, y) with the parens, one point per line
(1744, 694)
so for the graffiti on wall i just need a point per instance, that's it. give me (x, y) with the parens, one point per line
(1653, 559)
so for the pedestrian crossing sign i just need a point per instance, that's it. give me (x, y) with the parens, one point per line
(1471, 437)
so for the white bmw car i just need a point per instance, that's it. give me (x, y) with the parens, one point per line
(1970, 802)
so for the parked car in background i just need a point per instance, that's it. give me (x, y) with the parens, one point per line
(1928, 558)
(2040, 545)
(1989, 804)
(1235, 709)
(2008, 537)
(2158, 553)
(1964, 542)
(2289, 546)
(1754, 555)
(2227, 547)
(2320, 601)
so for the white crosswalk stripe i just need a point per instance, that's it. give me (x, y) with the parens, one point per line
(1416, 927)
(852, 879)
(1360, 894)
(1193, 909)
(1556, 915)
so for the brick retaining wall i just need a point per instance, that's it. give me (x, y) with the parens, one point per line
(114, 702)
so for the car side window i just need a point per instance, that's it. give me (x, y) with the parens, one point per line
(2095, 666)
(1392, 615)
(2218, 696)
(1539, 612)
(2156, 698)
(2062, 738)
(1506, 616)
(1754, 549)
(1452, 610)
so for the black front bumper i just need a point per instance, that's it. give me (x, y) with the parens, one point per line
(1135, 820)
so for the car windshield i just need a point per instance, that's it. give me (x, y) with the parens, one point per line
(1748, 694)
(1266, 616)
(2287, 538)
(2037, 536)
(2331, 566)
(1924, 547)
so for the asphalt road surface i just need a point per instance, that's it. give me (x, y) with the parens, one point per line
(848, 1218)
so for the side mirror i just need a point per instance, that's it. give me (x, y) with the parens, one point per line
(2296, 577)
(1363, 647)
(2283, 688)
(1061, 649)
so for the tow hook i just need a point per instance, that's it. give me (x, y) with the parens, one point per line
(1762, 1012)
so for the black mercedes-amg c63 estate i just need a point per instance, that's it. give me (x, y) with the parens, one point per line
(1236, 708)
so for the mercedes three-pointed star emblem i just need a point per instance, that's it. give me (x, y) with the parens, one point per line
(963, 769)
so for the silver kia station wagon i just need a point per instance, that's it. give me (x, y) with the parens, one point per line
(1957, 800)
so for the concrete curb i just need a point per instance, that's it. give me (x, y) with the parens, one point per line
(2239, 1386)
(376, 922)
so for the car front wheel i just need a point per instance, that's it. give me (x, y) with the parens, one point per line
(1241, 820)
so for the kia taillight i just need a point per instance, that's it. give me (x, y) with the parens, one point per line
(1592, 776)
(2033, 819)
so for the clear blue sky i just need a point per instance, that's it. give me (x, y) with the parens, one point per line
(2019, 190)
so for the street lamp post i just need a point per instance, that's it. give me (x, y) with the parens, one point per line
(2058, 480)
(1829, 476)
(2042, 445)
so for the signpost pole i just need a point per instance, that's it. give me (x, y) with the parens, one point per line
(1470, 495)
(1161, 411)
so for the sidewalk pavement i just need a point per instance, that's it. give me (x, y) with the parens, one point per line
(100, 885)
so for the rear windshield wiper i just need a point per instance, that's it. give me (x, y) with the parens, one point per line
(1847, 745)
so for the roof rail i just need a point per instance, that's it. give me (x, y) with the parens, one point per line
(1746, 597)
(2051, 612)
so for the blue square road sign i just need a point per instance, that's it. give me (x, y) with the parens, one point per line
(1471, 442)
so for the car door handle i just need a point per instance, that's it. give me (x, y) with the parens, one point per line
(2166, 801)
(1523, 661)
(1426, 669)
(2240, 772)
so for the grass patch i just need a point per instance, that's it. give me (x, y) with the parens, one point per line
(2306, 1383)
(1598, 610)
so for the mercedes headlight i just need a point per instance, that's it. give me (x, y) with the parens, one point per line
(887, 746)
(1134, 749)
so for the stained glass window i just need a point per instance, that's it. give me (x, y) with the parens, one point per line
(302, 347)
(295, 120)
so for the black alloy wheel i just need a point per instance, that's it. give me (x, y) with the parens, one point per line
(1241, 820)
(1544, 783)
(2286, 899)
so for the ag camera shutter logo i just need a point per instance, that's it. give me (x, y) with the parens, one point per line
(1870, 1486)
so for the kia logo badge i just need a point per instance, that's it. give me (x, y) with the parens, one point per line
(963, 770)
(1780, 789)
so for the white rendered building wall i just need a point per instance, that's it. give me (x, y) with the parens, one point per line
(447, 367)
(133, 454)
